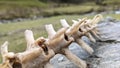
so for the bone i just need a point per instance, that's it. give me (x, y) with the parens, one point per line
(96, 31)
(95, 34)
(59, 32)
(96, 19)
(52, 34)
(79, 19)
(83, 29)
(48, 65)
(75, 27)
(5, 54)
(29, 38)
(79, 62)
(50, 30)
(91, 27)
(85, 46)
(94, 22)
(93, 31)
(80, 42)
(64, 23)
(35, 58)
(29, 55)
(57, 42)
(90, 37)
(86, 32)
(75, 22)
(6, 65)
(4, 48)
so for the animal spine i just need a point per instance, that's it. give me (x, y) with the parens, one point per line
(40, 51)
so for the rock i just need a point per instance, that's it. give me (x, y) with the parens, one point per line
(117, 11)
(106, 51)
(60, 61)
(107, 54)
(109, 19)
(109, 31)
(78, 51)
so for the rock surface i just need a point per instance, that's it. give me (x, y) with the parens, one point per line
(106, 51)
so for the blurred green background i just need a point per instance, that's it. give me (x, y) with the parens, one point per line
(18, 15)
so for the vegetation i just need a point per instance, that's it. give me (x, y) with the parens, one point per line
(14, 32)
(11, 9)
(111, 2)
(68, 10)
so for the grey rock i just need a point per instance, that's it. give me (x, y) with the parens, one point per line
(106, 50)
(109, 31)
(60, 61)
(117, 11)
(108, 56)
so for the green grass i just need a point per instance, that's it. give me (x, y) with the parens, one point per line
(14, 32)
(10, 9)
(115, 16)
(16, 39)
(72, 9)
(23, 3)
(34, 23)
(112, 2)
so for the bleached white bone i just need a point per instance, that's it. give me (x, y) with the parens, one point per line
(85, 46)
(96, 19)
(29, 39)
(90, 37)
(79, 62)
(64, 23)
(75, 27)
(75, 22)
(50, 30)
